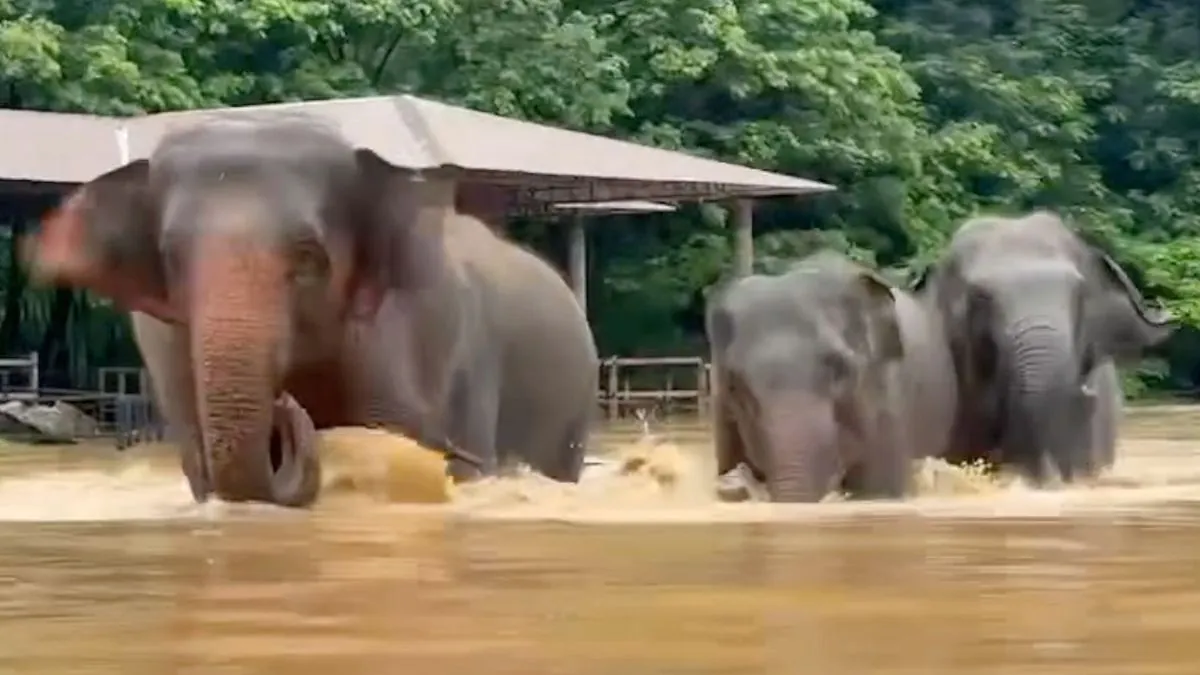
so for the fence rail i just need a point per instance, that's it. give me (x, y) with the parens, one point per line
(26, 370)
(668, 383)
(123, 406)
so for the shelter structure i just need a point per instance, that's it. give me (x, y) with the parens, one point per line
(577, 241)
(500, 167)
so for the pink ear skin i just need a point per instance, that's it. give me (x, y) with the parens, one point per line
(366, 296)
(57, 253)
(60, 255)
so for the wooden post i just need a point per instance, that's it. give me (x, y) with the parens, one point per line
(613, 384)
(577, 259)
(743, 237)
(34, 377)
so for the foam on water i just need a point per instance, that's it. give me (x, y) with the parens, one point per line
(644, 481)
(138, 492)
(944, 491)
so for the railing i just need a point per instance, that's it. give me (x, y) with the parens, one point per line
(129, 408)
(26, 370)
(122, 408)
(124, 405)
(618, 393)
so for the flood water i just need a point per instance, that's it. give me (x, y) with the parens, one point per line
(106, 567)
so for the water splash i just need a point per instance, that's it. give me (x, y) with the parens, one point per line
(651, 478)
(135, 492)
(643, 418)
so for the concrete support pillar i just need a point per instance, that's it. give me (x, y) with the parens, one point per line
(743, 237)
(577, 258)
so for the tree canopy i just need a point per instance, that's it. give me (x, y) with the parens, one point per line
(922, 112)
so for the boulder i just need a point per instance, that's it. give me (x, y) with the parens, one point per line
(58, 423)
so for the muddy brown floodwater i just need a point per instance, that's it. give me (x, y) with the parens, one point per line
(106, 567)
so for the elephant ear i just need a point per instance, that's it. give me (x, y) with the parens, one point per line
(881, 310)
(104, 238)
(399, 229)
(1116, 310)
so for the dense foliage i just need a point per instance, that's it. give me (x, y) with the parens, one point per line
(923, 112)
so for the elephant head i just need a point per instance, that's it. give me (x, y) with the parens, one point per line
(259, 237)
(1031, 311)
(801, 360)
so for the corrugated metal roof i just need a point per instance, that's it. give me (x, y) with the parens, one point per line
(540, 165)
(479, 141)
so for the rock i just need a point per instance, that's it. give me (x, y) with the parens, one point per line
(82, 423)
(59, 423)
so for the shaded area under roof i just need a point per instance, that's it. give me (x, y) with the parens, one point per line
(538, 165)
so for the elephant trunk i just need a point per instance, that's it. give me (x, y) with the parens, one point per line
(800, 436)
(1041, 353)
(237, 297)
(1045, 389)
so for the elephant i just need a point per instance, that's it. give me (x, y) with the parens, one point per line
(827, 377)
(1037, 320)
(279, 277)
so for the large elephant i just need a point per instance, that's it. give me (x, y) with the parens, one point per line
(279, 276)
(827, 377)
(1037, 321)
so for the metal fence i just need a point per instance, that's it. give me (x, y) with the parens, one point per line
(122, 407)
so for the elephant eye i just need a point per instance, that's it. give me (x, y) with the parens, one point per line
(309, 264)
(836, 368)
(739, 394)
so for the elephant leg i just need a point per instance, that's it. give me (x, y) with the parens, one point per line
(885, 471)
(546, 427)
(1027, 460)
(473, 416)
(968, 443)
(395, 379)
(1078, 458)
(572, 448)
(552, 447)
(1104, 440)
(727, 438)
(164, 350)
(1106, 417)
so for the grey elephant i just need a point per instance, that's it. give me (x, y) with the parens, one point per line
(1037, 320)
(281, 278)
(827, 377)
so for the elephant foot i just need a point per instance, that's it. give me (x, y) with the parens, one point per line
(739, 485)
(295, 464)
(192, 461)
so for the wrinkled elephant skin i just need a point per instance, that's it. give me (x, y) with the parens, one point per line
(818, 377)
(1037, 320)
(295, 466)
(262, 254)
